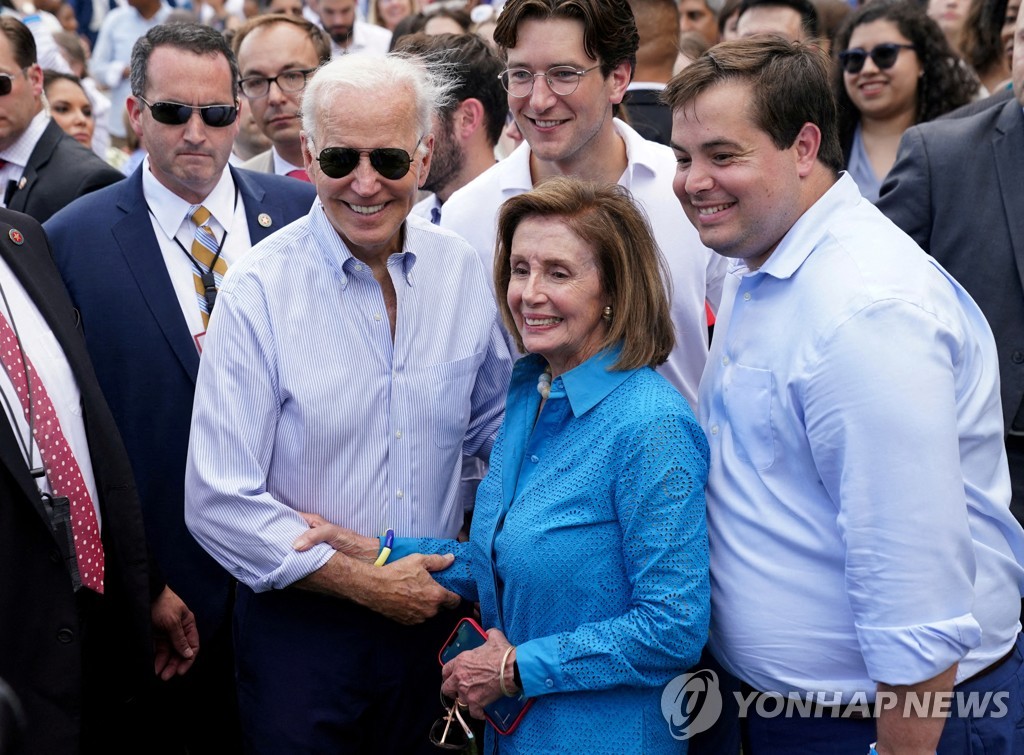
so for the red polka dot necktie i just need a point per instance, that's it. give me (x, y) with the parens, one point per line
(59, 463)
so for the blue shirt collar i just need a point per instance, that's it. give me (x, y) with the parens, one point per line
(584, 385)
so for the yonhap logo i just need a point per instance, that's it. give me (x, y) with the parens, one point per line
(691, 703)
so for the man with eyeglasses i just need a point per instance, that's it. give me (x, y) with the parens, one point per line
(276, 56)
(561, 92)
(143, 261)
(356, 356)
(42, 169)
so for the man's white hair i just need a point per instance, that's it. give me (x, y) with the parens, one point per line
(351, 79)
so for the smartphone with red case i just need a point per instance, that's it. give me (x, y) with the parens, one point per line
(505, 713)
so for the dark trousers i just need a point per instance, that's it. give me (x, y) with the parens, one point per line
(998, 732)
(322, 675)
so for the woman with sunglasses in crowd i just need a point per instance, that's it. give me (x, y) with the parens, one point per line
(894, 69)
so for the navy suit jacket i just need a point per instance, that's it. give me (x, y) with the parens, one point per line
(41, 647)
(59, 171)
(146, 359)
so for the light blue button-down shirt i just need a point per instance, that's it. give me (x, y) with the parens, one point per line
(858, 499)
(303, 403)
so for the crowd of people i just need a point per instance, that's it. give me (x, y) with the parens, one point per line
(669, 340)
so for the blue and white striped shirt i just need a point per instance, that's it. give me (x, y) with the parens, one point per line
(303, 403)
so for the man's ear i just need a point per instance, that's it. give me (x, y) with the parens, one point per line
(807, 145)
(428, 142)
(307, 154)
(618, 80)
(468, 117)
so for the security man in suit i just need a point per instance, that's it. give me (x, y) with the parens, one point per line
(42, 169)
(76, 605)
(975, 162)
(143, 261)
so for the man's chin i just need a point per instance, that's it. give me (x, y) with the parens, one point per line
(341, 38)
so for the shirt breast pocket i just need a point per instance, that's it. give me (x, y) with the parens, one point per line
(452, 387)
(748, 403)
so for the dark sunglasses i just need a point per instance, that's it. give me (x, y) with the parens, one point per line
(6, 84)
(884, 55)
(391, 162)
(177, 114)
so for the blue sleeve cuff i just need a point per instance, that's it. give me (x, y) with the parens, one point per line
(402, 547)
(908, 655)
(539, 669)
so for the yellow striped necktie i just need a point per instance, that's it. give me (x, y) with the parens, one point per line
(206, 253)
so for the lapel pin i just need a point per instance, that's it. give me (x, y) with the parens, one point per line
(264, 220)
(16, 236)
(22, 182)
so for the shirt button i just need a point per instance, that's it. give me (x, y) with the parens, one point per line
(549, 682)
(399, 493)
(714, 429)
(534, 458)
(376, 317)
(746, 297)
(398, 433)
(725, 360)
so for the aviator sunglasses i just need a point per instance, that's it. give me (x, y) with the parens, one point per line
(177, 114)
(391, 162)
(884, 56)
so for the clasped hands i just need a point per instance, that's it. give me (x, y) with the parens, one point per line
(402, 590)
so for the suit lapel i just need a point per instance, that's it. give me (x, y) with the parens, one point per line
(1008, 147)
(258, 207)
(134, 235)
(41, 154)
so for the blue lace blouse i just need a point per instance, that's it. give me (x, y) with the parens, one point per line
(588, 548)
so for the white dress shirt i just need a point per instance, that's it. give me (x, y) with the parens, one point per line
(17, 155)
(52, 369)
(169, 214)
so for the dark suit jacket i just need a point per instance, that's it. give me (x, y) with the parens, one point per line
(956, 188)
(41, 641)
(146, 359)
(973, 108)
(59, 171)
(650, 117)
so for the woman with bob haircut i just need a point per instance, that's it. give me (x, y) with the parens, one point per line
(588, 546)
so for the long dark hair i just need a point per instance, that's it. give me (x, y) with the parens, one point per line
(946, 82)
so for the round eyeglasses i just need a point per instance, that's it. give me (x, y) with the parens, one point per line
(562, 80)
(294, 80)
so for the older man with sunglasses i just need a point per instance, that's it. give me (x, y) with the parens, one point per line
(355, 357)
(143, 261)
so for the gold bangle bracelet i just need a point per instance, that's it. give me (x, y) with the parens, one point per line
(501, 672)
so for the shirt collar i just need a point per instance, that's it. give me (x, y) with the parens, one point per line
(584, 385)
(806, 233)
(281, 166)
(20, 152)
(339, 255)
(170, 210)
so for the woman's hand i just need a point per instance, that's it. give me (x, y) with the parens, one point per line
(472, 676)
(341, 539)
